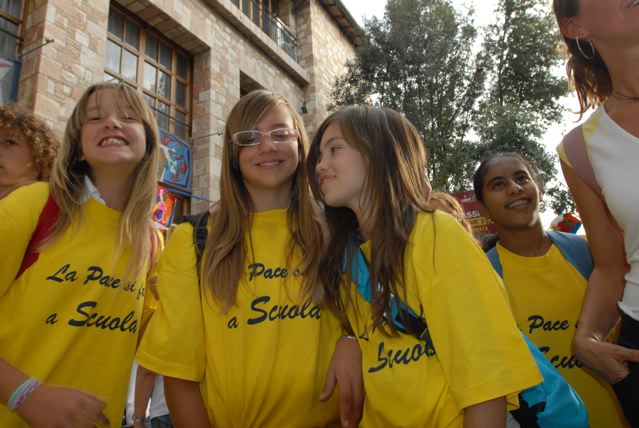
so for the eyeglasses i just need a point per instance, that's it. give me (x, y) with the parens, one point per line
(253, 138)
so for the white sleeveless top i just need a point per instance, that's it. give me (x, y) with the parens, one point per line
(614, 155)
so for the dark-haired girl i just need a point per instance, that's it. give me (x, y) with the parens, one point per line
(544, 288)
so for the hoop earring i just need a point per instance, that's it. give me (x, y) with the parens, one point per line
(592, 49)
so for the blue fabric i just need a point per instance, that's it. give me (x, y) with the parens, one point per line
(574, 249)
(361, 276)
(557, 403)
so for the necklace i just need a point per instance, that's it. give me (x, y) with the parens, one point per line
(624, 97)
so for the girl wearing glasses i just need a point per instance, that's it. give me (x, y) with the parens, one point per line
(247, 346)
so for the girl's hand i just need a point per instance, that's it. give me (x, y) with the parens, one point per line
(345, 370)
(607, 359)
(50, 406)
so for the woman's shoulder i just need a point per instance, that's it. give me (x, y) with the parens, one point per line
(583, 131)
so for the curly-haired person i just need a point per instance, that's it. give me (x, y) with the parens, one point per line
(27, 148)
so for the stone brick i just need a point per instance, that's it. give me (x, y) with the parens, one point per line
(222, 48)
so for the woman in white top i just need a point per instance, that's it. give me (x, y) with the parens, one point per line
(603, 45)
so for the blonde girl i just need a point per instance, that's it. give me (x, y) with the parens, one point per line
(70, 320)
(243, 345)
(368, 166)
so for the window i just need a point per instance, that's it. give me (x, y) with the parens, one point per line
(148, 61)
(10, 13)
(263, 13)
(10, 46)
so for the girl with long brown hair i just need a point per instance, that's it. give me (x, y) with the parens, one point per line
(368, 166)
(602, 39)
(72, 273)
(241, 343)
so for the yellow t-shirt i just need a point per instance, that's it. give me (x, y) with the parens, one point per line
(70, 319)
(546, 294)
(479, 353)
(263, 363)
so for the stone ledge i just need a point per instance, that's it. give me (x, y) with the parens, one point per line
(243, 23)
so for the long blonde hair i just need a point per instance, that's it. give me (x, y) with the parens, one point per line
(225, 253)
(67, 182)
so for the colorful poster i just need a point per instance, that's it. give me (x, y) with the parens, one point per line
(481, 225)
(163, 211)
(176, 168)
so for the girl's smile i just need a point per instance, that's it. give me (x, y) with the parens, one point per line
(518, 203)
(341, 171)
(112, 136)
(268, 167)
(511, 196)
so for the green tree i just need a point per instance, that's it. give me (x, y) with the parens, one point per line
(420, 60)
(520, 52)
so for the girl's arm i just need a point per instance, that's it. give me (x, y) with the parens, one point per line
(345, 370)
(490, 413)
(51, 406)
(144, 382)
(185, 403)
(605, 286)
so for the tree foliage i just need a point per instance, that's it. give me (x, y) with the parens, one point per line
(422, 60)
(418, 60)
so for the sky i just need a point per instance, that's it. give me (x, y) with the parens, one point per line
(484, 12)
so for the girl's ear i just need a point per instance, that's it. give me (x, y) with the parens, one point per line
(572, 28)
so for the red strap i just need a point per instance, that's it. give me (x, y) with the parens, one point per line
(48, 216)
(575, 149)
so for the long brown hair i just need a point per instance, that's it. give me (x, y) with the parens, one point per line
(226, 253)
(589, 76)
(67, 181)
(397, 190)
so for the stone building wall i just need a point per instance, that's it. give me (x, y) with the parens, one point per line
(228, 52)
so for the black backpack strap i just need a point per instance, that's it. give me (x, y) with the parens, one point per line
(200, 233)
(409, 323)
(527, 416)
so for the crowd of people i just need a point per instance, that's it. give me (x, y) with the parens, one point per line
(328, 286)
